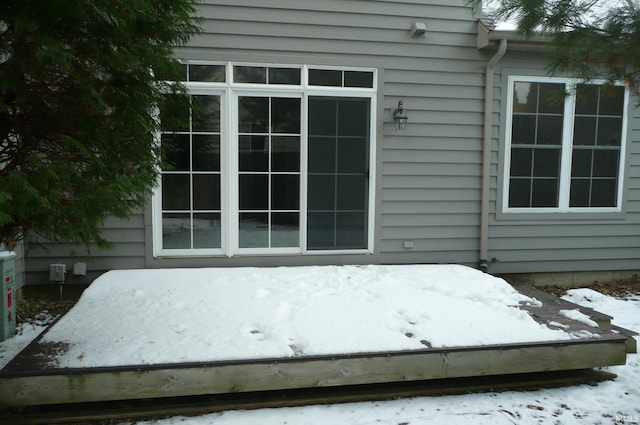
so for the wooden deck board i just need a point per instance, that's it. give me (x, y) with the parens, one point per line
(552, 305)
(85, 385)
(205, 404)
(29, 380)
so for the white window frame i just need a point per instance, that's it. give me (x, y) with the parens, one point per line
(566, 149)
(229, 93)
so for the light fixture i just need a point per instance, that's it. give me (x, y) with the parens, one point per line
(400, 117)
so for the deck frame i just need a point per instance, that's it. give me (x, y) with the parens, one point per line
(29, 380)
(157, 381)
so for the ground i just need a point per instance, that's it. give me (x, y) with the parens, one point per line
(36, 311)
(616, 288)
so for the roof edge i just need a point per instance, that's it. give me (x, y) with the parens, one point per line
(489, 38)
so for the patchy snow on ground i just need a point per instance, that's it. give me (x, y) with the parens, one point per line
(624, 311)
(137, 317)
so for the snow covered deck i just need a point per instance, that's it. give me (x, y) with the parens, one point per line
(164, 333)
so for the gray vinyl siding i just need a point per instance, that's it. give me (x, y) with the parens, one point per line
(576, 242)
(428, 178)
(429, 175)
(127, 236)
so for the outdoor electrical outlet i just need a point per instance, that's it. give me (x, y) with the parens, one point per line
(56, 272)
(80, 269)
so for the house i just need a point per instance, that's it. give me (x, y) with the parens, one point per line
(294, 157)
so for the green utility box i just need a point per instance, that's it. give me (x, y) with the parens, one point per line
(8, 303)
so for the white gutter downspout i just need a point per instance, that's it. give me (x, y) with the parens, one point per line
(486, 155)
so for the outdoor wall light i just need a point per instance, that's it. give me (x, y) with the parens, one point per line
(400, 117)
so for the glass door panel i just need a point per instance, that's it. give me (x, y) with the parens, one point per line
(269, 172)
(191, 200)
(338, 167)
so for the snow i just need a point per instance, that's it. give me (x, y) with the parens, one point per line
(4, 255)
(611, 402)
(522, 408)
(624, 312)
(578, 316)
(194, 315)
(558, 325)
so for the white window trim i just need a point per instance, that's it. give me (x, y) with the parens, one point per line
(229, 93)
(566, 155)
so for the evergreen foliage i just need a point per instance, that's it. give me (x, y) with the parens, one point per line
(592, 39)
(78, 102)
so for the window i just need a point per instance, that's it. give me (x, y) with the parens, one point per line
(190, 200)
(270, 159)
(269, 171)
(565, 144)
(338, 173)
(597, 142)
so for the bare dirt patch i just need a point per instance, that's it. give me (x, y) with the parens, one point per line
(34, 311)
(619, 288)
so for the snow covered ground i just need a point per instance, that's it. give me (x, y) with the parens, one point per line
(155, 309)
(190, 315)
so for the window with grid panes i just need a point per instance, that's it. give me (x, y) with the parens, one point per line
(565, 142)
(293, 158)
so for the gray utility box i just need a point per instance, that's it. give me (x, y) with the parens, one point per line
(8, 303)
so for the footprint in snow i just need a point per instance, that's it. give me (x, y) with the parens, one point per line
(426, 343)
(298, 351)
(256, 333)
